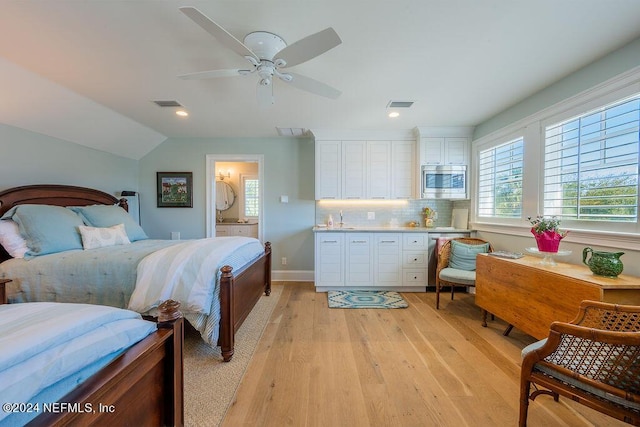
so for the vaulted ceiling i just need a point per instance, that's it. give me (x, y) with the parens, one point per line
(88, 71)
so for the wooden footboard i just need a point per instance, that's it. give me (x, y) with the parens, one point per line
(142, 387)
(239, 293)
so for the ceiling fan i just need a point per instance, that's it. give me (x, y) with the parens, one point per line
(268, 55)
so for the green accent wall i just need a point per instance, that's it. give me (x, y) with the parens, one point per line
(31, 158)
(288, 170)
(624, 59)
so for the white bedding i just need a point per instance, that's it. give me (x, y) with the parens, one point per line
(187, 272)
(44, 343)
(137, 276)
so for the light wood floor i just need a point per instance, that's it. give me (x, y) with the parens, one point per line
(316, 366)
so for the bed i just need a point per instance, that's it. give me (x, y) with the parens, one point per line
(238, 287)
(118, 384)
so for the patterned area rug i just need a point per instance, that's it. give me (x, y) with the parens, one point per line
(366, 299)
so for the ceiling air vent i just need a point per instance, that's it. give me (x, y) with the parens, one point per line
(290, 131)
(399, 104)
(167, 103)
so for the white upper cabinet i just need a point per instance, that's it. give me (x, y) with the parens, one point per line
(378, 169)
(354, 171)
(403, 167)
(328, 170)
(444, 151)
(359, 169)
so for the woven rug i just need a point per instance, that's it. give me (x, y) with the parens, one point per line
(211, 384)
(366, 299)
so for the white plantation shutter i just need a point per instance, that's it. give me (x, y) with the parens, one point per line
(591, 164)
(251, 197)
(500, 180)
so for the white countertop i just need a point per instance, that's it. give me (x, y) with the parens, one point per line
(363, 229)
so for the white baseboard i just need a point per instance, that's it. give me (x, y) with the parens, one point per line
(292, 275)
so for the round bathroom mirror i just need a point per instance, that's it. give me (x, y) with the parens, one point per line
(225, 196)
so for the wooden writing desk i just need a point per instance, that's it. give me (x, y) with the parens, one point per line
(530, 296)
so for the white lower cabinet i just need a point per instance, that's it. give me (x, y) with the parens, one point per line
(359, 260)
(329, 259)
(248, 230)
(387, 260)
(415, 259)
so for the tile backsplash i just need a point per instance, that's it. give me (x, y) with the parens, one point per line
(387, 212)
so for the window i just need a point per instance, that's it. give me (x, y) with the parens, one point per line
(591, 164)
(251, 186)
(500, 180)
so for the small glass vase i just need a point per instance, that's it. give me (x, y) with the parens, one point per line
(428, 222)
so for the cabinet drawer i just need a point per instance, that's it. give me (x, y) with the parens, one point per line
(414, 259)
(388, 240)
(415, 277)
(415, 241)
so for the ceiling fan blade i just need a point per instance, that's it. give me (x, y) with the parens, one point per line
(265, 95)
(310, 85)
(213, 74)
(218, 32)
(309, 47)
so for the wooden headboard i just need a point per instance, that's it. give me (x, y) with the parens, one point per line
(56, 195)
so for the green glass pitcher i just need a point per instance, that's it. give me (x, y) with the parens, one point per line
(602, 263)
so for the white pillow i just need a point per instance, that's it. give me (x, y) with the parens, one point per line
(11, 239)
(98, 237)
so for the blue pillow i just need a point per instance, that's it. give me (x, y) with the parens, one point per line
(47, 229)
(108, 216)
(463, 255)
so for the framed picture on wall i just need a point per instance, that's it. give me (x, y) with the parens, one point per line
(175, 189)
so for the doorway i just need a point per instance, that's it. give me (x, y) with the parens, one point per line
(235, 188)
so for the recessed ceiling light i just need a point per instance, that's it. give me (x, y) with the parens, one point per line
(394, 114)
(182, 113)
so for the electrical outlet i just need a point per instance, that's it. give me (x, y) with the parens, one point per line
(371, 215)
(284, 260)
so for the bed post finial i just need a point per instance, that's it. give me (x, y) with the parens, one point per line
(169, 311)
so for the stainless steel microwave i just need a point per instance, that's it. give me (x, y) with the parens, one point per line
(444, 181)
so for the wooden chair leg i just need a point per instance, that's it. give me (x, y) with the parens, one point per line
(453, 288)
(508, 330)
(524, 402)
(437, 294)
(484, 318)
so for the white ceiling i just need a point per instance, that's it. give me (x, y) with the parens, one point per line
(87, 71)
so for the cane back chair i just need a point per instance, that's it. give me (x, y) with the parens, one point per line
(594, 360)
